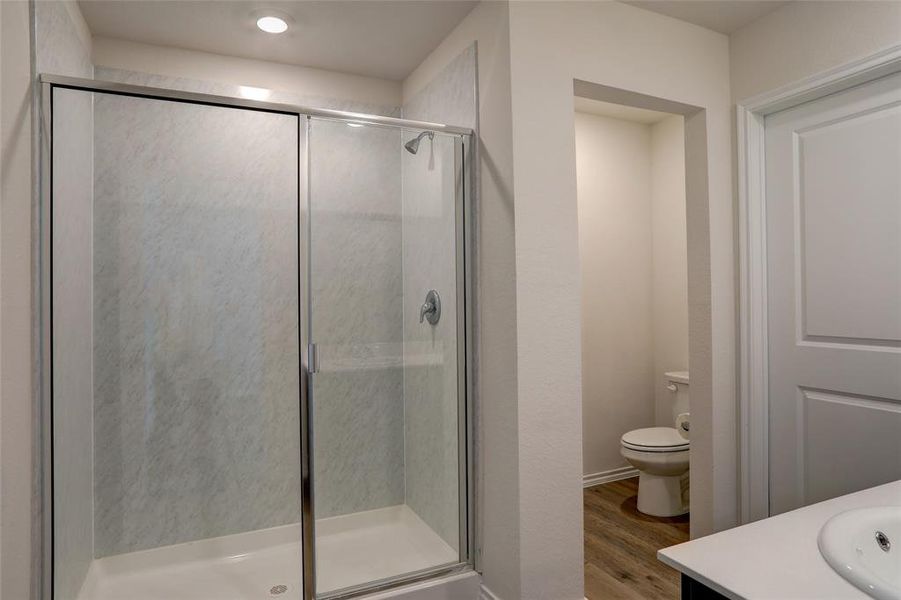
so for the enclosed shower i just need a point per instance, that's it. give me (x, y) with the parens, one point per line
(254, 340)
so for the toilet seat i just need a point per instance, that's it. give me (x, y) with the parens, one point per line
(655, 439)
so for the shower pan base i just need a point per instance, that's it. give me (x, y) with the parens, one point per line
(351, 550)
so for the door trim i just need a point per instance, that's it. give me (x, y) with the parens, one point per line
(753, 350)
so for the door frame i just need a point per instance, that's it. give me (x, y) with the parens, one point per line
(753, 349)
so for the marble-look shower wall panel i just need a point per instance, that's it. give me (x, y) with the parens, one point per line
(62, 41)
(357, 310)
(195, 322)
(359, 444)
(62, 48)
(451, 96)
(357, 297)
(430, 352)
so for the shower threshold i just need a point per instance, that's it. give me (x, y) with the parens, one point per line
(352, 549)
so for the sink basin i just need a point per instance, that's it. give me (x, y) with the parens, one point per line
(864, 547)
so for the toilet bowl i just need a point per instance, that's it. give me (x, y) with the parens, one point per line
(661, 455)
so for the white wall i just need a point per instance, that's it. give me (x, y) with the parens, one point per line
(64, 47)
(498, 474)
(613, 169)
(632, 246)
(769, 53)
(553, 43)
(204, 66)
(532, 524)
(803, 38)
(623, 47)
(670, 261)
(16, 364)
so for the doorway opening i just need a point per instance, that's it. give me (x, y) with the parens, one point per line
(631, 189)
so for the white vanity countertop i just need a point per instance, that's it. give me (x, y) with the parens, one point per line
(775, 558)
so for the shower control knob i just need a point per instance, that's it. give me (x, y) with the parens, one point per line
(431, 308)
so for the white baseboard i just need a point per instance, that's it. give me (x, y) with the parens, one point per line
(593, 479)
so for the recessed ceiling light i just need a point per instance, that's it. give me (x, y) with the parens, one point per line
(271, 24)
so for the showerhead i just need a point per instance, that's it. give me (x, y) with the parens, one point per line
(413, 145)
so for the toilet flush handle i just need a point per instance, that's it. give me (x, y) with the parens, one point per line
(672, 387)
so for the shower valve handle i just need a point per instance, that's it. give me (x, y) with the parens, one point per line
(431, 308)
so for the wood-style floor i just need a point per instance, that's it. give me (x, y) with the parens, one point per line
(621, 546)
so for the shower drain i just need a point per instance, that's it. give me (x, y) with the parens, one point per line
(278, 589)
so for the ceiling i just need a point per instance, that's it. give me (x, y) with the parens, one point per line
(725, 16)
(618, 111)
(376, 38)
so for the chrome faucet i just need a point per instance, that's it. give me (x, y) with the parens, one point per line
(431, 308)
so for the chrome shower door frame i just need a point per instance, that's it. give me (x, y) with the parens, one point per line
(44, 314)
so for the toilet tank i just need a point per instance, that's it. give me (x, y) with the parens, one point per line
(677, 384)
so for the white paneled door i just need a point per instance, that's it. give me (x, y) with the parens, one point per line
(833, 227)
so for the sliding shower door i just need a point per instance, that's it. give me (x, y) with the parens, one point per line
(175, 349)
(386, 403)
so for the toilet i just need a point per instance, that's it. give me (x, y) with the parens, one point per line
(661, 456)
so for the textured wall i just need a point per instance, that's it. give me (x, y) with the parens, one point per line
(430, 351)
(495, 409)
(632, 245)
(768, 52)
(613, 170)
(450, 96)
(321, 86)
(670, 259)
(63, 48)
(623, 47)
(429, 251)
(18, 496)
(357, 304)
(195, 322)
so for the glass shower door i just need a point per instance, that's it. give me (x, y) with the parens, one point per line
(387, 425)
(193, 248)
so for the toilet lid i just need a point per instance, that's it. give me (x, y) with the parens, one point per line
(655, 439)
